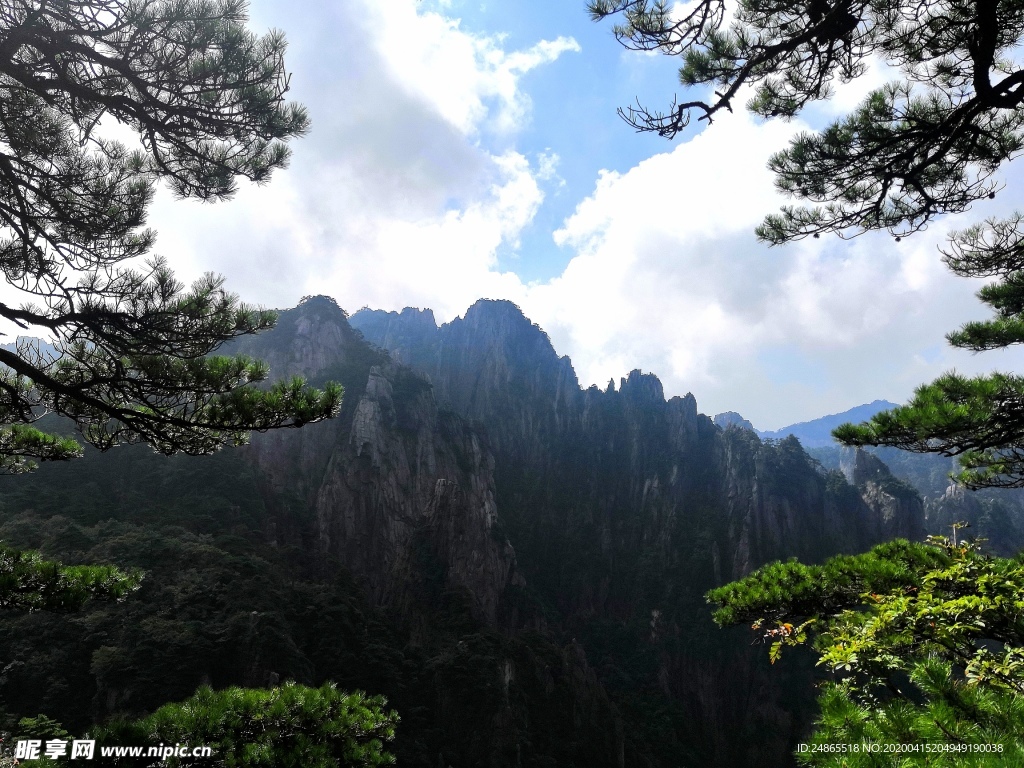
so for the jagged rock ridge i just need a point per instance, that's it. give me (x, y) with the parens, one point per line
(623, 506)
(539, 551)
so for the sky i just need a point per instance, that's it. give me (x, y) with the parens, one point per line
(467, 150)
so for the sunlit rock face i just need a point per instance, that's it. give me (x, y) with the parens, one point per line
(732, 419)
(896, 508)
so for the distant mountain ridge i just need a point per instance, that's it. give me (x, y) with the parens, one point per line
(996, 516)
(816, 433)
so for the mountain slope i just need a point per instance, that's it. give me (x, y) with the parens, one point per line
(817, 433)
(623, 508)
(517, 563)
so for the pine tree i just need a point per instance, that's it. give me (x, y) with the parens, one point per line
(924, 145)
(981, 418)
(291, 725)
(132, 348)
(928, 640)
(30, 583)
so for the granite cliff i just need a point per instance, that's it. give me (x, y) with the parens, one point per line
(518, 563)
(624, 508)
(392, 479)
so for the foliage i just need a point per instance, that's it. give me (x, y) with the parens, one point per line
(956, 725)
(131, 354)
(922, 145)
(793, 589)
(290, 726)
(222, 606)
(929, 639)
(28, 582)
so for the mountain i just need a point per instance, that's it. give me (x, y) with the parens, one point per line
(817, 433)
(366, 550)
(516, 562)
(994, 515)
(624, 508)
(732, 419)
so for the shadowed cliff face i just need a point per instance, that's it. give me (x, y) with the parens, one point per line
(529, 558)
(402, 494)
(493, 361)
(624, 508)
(895, 482)
(639, 471)
(389, 482)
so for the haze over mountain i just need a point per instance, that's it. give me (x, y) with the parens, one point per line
(816, 433)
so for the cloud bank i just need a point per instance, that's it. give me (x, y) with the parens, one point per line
(413, 181)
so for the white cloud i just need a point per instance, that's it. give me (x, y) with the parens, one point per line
(668, 277)
(443, 262)
(392, 199)
(547, 166)
(459, 73)
(397, 199)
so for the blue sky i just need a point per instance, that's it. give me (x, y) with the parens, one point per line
(463, 150)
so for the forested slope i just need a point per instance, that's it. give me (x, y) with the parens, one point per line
(516, 563)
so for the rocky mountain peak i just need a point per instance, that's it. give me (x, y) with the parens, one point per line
(687, 405)
(642, 387)
(310, 340)
(414, 315)
(897, 509)
(500, 310)
(475, 362)
(859, 466)
(501, 325)
(407, 335)
(732, 419)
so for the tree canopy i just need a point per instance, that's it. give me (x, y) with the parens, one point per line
(918, 147)
(928, 639)
(30, 583)
(290, 725)
(131, 355)
(925, 144)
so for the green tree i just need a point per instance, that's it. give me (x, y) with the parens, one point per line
(928, 638)
(30, 583)
(131, 359)
(924, 145)
(292, 726)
